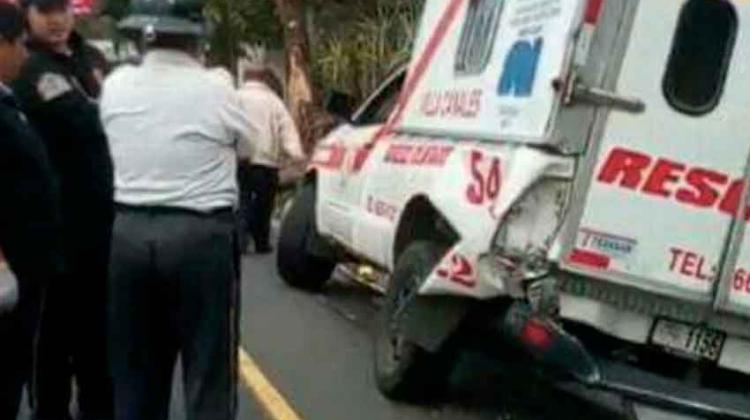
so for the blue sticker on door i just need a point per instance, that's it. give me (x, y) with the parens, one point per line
(519, 70)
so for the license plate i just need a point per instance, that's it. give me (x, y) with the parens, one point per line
(690, 340)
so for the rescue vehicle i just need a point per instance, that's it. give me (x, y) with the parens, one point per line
(575, 171)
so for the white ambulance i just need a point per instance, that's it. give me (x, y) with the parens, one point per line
(570, 174)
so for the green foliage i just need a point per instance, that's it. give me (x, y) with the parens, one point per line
(117, 9)
(353, 43)
(355, 56)
(232, 22)
(238, 21)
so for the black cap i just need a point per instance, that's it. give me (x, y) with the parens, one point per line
(46, 5)
(165, 16)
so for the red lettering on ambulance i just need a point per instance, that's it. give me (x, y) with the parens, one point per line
(417, 155)
(739, 279)
(458, 269)
(475, 191)
(664, 174)
(485, 182)
(694, 186)
(701, 193)
(731, 201)
(690, 264)
(676, 254)
(626, 166)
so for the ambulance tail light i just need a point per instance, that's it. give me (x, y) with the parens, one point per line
(537, 335)
(546, 341)
(526, 233)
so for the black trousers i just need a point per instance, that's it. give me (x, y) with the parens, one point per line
(72, 342)
(174, 290)
(258, 189)
(17, 331)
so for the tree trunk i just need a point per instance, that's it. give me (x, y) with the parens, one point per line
(299, 89)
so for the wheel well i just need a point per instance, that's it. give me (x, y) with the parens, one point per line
(422, 221)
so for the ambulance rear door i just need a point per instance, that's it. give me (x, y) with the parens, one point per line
(660, 188)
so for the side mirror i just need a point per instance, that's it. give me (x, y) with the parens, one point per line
(339, 104)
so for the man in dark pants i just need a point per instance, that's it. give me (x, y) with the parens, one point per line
(29, 220)
(276, 138)
(57, 89)
(173, 128)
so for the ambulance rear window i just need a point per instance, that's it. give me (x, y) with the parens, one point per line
(478, 36)
(701, 52)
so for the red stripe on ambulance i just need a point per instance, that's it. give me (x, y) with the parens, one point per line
(593, 11)
(423, 62)
(416, 72)
(328, 157)
(589, 259)
(664, 178)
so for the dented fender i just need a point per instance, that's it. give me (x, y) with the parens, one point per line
(520, 168)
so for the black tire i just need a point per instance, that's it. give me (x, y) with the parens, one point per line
(295, 264)
(403, 370)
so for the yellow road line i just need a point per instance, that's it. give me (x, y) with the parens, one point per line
(270, 399)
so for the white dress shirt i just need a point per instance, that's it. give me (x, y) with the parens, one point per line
(173, 131)
(274, 133)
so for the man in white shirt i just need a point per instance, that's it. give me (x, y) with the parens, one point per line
(174, 130)
(276, 138)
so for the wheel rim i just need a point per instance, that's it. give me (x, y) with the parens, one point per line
(395, 342)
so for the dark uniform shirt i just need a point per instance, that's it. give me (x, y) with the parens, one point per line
(58, 94)
(29, 212)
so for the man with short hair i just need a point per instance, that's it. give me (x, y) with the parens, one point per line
(276, 138)
(173, 127)
(57, 89)
(29, 219)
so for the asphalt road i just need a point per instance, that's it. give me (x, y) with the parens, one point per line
(315, 351)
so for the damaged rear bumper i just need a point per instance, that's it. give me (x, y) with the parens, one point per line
(622, 388)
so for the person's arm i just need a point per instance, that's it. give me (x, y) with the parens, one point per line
(240, 125)
(286, 131)
(29, 219)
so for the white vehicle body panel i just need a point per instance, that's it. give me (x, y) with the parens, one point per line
(665, 186)
(507, 96)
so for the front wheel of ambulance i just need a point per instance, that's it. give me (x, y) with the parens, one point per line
(296, 265)
(403, 370)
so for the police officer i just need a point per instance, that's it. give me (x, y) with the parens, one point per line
(29, 218)
(57, 89)
(173, 127)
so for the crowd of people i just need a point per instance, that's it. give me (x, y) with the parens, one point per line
(119, 213)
